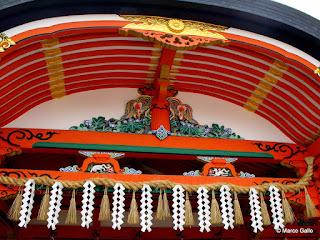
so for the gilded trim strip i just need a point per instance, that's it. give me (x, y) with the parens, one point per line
(265, 85)
(54, 67)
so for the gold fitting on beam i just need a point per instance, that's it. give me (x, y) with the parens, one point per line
(151, 74)
(261, 92)
(252, 103)
(152, 68)
(6, 42)
(281, 65)
(176, 62)
(265, 86)
(52, 52)
(178, 55)
(56, 76)
(156, 53)
(276, 72)
(55, 68)
(154, 61)
(172, 76)
(164, 71)
(50, 43)
(270, 79)
(57, 82)
(174, 70)
(54, 60)
(256, 98)
(314, 136)
(59, 94)
(57, 88)
(248, 108)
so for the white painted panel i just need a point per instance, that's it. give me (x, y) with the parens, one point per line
(73, 109)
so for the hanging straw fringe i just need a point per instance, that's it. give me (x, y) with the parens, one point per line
(188, 212)
(238, 218)
(44, 207)
(133, 217)
(72, 212)
(104, 214)
(264, 211)
(287, 210)
(160, 211)
(14, 211)
(311, 210)
(166, 205)
(215, 210)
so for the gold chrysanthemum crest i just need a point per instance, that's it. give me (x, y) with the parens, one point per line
(176, 25)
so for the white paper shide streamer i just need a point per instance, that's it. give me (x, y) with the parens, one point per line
(203, 209)
(54, 205)
(255, 211)
(178, 207)
(87, 203)
(226, 207)
(27, 203)
(118, 206)
(276, 208)
(146, 208)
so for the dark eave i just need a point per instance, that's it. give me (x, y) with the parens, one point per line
(261, 16)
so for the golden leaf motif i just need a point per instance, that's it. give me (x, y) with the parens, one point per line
(6, 42)
(175, 26)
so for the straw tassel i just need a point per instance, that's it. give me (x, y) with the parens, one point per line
(311, 210)
(264, 211)
(44, 207)
(238, 218)
(72, 212)
(160, 211)
(215, 210)
(104, 214)
(166, 205)
(287, 210)
(14, 211)
(189, 221)
(133, 217)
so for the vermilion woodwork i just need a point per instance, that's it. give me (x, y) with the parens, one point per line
(144, 143)
(100, 158)
(218, 163)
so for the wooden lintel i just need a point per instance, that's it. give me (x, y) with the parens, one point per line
(314, 149)
(145, 143)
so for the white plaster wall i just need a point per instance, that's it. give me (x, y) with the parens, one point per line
(73, 109)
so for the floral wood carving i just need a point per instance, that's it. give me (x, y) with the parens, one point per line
(174, 33)
(5, 43)
(173, 41)
(136, 119)
(183, 124)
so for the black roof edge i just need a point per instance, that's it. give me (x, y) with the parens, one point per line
(264, 17)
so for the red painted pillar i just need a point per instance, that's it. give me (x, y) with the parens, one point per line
(160, 108)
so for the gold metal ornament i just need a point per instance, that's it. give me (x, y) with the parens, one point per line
(6, 42)
(317, 71)
(175, 26)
